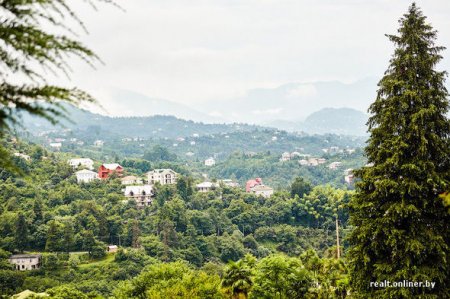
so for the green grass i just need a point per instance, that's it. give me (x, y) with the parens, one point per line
(109, 258)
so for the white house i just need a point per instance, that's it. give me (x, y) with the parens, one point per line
(262, 190)
(303, 162)
(56, 145)
(25, 262)
(285, 157)
(84, 162)
(23, 156)
(86, 176)
(230, 183)
(206, 186)
(350, 150)
(112, 248)
(334, 165)
(295, 154)
(348, 176)
(99, 143)
(313, 162)
(141, 194)
(130, 180)
(162, 176)
(321, 160)
(210, 162)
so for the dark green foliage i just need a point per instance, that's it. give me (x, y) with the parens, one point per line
(54, 237)
(11, 281)
(402, 227)
(98, 250)
(159, 153)
(21, 236)
(65, 292)
(281, 277)
(300, 187)
(88, 241)
(171, 280)
(184, 187)
(238, 277)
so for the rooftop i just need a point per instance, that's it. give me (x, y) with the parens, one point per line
(25, 256)
(85, 171)
(261, 188)
(111, 166)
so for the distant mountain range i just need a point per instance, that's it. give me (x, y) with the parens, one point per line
(344, 121)
(314, 107)
(126, 103)
(158, 126)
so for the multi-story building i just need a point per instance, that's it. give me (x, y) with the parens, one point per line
(258, 188)
(261, 190)
(83, 162)
(141, 194)
(86, 176)
(105, 170)
(162, 176)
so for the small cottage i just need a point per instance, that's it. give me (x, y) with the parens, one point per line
(206, 186)
(24, 262)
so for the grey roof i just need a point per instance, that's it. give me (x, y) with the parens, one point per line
(24, 256)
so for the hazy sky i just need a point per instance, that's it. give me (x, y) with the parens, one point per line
(199, 50)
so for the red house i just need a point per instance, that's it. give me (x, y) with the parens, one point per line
(105, 170)
(252, 183)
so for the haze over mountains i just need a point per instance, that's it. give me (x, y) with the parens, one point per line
(292, 106)
(293, 101)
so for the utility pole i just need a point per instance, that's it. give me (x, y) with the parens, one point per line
(337, 238)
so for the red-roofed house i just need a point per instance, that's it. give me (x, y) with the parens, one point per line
(107, 169)
(252, 183)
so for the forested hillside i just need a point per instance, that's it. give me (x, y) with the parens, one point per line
(71, 224)
(157, 126)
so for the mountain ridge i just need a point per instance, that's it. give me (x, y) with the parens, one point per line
(344, 121)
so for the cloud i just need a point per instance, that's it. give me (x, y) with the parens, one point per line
(304, 90)
(215, 114)
(201, 50)
(267, 111)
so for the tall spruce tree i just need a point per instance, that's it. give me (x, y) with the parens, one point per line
(21, 235)
(402, 229)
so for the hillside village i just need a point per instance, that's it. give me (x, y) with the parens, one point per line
(141, 188)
